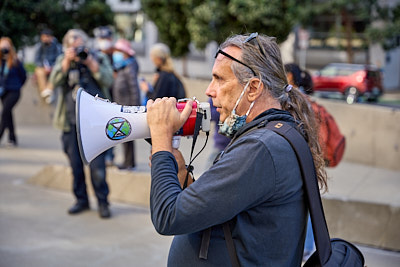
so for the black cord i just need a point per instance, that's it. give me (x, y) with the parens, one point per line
(189, 167)
(201, 150)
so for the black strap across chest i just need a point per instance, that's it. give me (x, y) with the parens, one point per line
(306, 162)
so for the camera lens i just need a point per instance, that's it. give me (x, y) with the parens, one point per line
(81, 52)
(82, 55)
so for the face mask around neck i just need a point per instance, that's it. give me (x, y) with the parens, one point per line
(234, 122)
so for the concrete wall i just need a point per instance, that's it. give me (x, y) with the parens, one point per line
(372, 133)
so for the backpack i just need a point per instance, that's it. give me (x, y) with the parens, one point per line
(332, 141)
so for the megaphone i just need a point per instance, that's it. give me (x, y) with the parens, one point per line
(101, 124)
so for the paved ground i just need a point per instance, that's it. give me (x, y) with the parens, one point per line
(35, 229)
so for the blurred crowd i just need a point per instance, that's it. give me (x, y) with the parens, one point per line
(106, 66)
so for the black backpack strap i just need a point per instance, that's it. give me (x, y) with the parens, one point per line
(205, 242)
(230, 245)
(306, 162)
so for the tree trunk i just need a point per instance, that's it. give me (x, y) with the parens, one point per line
(185, 67)
(348, 27)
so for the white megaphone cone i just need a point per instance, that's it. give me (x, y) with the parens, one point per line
(102, 124)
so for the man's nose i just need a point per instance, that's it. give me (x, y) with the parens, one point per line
(210, 92)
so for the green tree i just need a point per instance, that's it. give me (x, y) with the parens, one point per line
(171, 20)
(91, 14)
(23, 20)
(349, 10)
(388, 28)
(216, 20)
(180, 22)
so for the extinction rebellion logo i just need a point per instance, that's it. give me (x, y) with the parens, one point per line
(118, 128)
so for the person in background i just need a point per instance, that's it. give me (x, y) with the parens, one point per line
(104, 42)
(252, 199)
(48, 49)
(165, 80)
(12, 78)
(220, 141)
(125, 90)
(81, 67)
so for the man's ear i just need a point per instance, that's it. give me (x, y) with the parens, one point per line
(256, 88)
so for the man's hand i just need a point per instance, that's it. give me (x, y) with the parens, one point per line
(182, 172)
(91, 63)
(164, 120)
(69, 55)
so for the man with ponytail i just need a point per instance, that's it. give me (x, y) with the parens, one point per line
(253, 194)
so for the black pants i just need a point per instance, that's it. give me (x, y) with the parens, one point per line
(129, 154)
(97, 170)
(9, 100)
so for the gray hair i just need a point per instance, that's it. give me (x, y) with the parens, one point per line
(266, 61)
(71, 35)
(269, 68)
(163, 52)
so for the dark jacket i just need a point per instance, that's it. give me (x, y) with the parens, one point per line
(15, 78)
(256, 186)
(167, 85)
(125, 89)
(220, 141)
(48, 53)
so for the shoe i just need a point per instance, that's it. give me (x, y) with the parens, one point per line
(46, 92)
(11, 144)
(109, 163)
(78, 208)
(104, 211)
(48, 96)
(127, 169)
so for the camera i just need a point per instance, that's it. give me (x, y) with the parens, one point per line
(81, 52)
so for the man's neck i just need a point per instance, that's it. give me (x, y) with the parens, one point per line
(262, 104)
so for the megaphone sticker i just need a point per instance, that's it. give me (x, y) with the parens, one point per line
(118, 128)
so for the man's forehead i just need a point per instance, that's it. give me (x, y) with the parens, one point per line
(223, 63)
(233, 51)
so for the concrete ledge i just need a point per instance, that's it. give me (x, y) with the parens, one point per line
(372, 133)
(371, 218)
(128, 187)
(363, 222)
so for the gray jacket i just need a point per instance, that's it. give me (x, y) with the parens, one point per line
(256, 186)
(125, 90)
(103, 77)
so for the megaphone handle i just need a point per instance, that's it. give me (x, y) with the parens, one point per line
(176, 141)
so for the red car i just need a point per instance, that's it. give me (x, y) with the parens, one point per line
(351, 80)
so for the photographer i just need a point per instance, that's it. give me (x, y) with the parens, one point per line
(80, 67)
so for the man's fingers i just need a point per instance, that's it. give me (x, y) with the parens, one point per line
(186, 112)
(149, 103)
